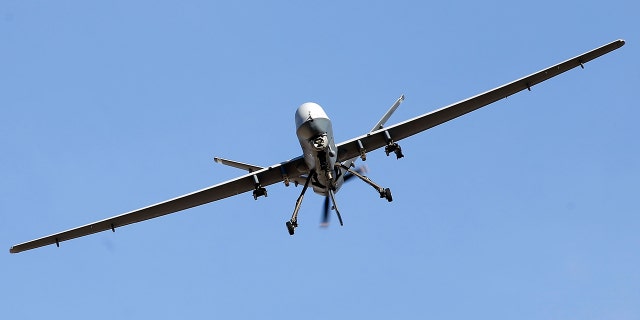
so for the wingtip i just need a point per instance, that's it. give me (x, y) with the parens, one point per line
(620, 42)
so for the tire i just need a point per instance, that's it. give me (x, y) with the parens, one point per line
(387, 194)
(290, 228)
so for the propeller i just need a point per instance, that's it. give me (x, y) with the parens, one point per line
(326, 207)
(325, 213)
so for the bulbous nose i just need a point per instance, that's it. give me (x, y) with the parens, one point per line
(311, 121)
(309, 111)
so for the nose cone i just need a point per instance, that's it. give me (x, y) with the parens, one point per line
(309, 111)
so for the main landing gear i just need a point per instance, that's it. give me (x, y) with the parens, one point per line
(384, 192)
(291, 226)
(293, 223)
(387, 195)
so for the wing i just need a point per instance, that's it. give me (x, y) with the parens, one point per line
(266, 176)
(377, 139)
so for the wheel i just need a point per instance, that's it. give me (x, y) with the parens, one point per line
(290, 227)
(387, 194)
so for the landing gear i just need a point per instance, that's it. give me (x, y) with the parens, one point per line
(293, 223)
(291, 226)
(384, 192)
(324, 167)
(332, 196)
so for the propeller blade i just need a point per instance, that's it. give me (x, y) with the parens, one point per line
(325, 213)
(348, 176)
(326, 210)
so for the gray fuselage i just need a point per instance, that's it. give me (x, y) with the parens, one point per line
(315, 134)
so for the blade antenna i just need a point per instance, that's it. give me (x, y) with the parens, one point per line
(388, 114)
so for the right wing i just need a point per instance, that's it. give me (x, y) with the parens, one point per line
(266, 176)
(380, 138)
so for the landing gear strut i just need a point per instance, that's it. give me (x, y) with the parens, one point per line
(384, 192)
(293, 223)
(335, 205)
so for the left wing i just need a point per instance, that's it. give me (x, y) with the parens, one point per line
(382, 137)
(280, 172)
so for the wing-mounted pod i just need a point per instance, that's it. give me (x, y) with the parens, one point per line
(379, 125)
(392, 146)
(259, 190)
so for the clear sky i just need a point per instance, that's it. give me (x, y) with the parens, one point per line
(526, 209)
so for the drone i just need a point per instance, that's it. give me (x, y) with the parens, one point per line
(324, 164)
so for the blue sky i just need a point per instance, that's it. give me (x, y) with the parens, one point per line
(524, 209)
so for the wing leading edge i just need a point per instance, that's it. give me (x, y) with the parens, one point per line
(382, 137)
